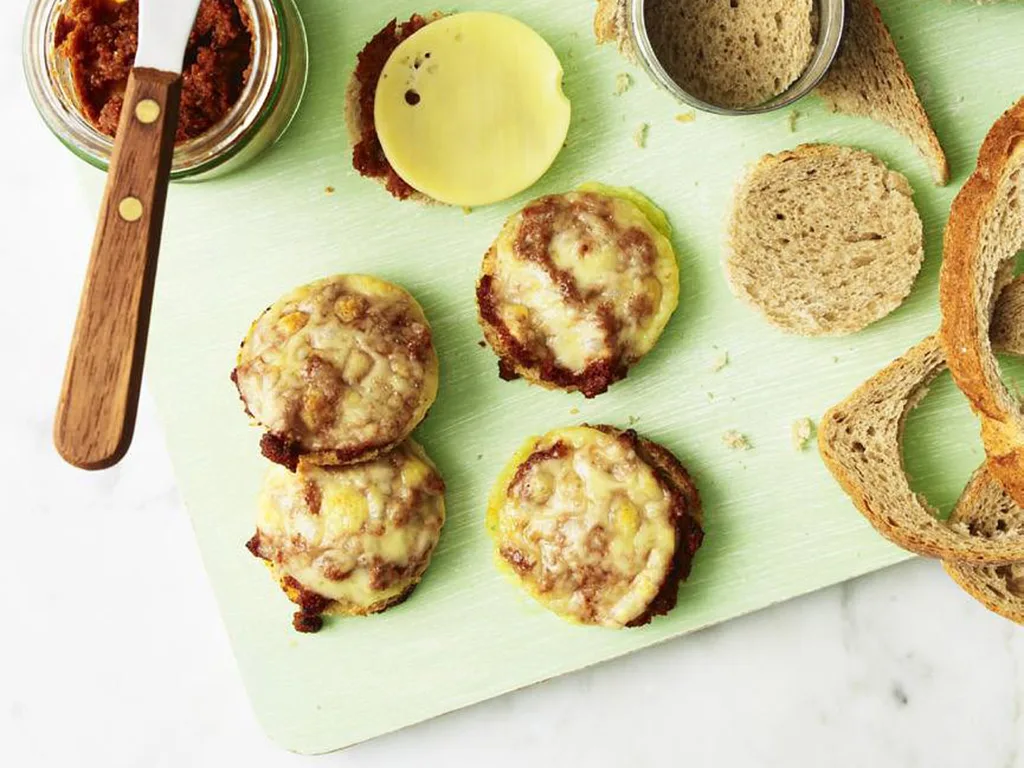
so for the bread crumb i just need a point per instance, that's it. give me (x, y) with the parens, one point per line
(802, 431)
(640, 135)
(467, 210)
(574, 411)
(623, 82)
(736, 441)
(721, 360)
(794, 115)
(835, 358)
(686, 117)
(329, 190)
(632, 420)
(711, 395)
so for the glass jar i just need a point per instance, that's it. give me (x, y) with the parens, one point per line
(830, 15)
(264, 110)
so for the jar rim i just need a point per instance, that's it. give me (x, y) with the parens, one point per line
(831, 24)
(196, 156)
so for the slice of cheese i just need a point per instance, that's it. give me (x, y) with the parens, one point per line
(470, 109)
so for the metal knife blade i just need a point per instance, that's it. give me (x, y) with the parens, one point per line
(164, 27)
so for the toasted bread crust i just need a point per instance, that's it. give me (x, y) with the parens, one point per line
(356, 123)
(869, 53)
(854, 441)
(983, 584)
(986, 510)
(977, 263)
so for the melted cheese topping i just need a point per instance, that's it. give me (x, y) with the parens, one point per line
(470, 109)
(345, 364)
(359, 535)
(620, 269)
(584, 524)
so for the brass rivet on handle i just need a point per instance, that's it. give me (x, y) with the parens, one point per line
(147, 111)
(130, 209)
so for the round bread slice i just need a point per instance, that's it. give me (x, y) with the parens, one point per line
(577, 288)
(599, 525)
(367, 153)
(338, 371)
(986, 510)
(350, 540)
(824, 240)
(983, 237)
(860, 441)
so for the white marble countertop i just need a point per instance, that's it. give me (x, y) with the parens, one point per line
(113, 653)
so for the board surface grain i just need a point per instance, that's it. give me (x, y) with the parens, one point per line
(777, 526)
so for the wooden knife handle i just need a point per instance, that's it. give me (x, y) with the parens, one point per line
(100, 394)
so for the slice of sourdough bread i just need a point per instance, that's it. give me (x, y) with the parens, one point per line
(860, 441)
(824, 240)
(983, 237)
(868, 78)
(985, 510)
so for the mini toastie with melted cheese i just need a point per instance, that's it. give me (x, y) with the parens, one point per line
(597, 524)
(578, 287)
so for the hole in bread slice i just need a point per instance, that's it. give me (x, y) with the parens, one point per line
(861, 442)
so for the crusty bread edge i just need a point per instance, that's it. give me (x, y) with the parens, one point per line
(833, 462)
(965, 576)
(989, 553)
(932, 151)
(976, 580)
(965, 326)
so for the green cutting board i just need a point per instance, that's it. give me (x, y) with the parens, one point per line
(777, 525)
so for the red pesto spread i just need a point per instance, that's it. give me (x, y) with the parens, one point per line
(100, 38)
(368, 156)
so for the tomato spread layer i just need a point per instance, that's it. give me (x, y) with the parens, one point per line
(345, 365)
(592, 529)
(352, 539)
(99, 38)
(368, 156)
(577, 288)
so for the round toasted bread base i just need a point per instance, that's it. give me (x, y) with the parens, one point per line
(824, 240)
(356, 122)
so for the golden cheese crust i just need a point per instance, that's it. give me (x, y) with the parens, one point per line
(576, 289)
(598, 525)
(338, 371)
(350, 540)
